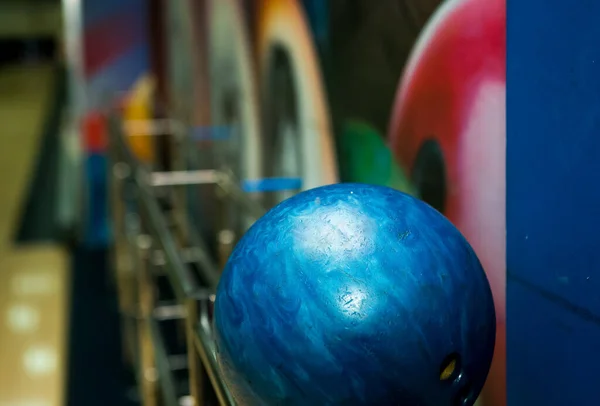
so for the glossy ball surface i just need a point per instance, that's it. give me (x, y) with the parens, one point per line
(352, 294)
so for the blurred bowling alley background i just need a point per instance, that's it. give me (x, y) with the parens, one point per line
(142, 138)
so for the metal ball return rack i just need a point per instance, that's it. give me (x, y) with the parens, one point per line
(164, 273)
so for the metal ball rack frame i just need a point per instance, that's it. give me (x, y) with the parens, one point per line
(163, 272)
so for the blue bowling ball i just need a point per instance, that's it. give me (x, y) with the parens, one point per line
(353, 294)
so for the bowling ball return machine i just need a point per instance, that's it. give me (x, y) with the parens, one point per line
(168, 285)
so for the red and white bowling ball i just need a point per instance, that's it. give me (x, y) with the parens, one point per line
(448, 131)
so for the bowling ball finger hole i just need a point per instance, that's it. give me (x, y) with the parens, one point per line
(429, 175)
(464, 396)
(450, 368)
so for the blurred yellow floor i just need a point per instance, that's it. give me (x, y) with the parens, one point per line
(25, 93)
(34, 279)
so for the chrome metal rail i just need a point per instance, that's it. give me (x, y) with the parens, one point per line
(165, 277)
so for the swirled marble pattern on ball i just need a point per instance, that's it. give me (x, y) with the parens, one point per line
(352, 294)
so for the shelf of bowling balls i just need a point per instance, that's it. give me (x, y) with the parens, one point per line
(165, 277)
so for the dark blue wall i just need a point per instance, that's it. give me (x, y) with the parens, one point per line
(553, 202)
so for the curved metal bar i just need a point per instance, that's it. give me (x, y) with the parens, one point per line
(206, 348)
